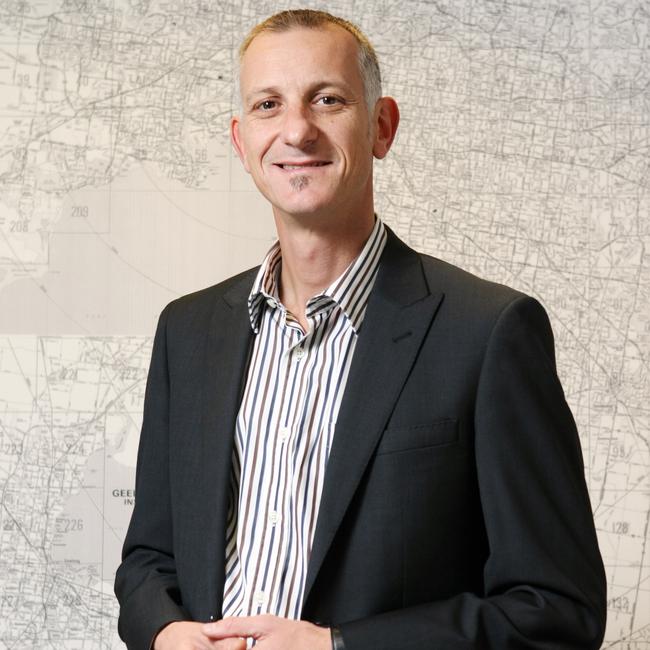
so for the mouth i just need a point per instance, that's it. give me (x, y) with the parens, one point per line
(302, 166)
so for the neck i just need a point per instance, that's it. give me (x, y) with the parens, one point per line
(313, 256)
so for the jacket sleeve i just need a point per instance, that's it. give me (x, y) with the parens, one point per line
(543, 580)
(145, 582)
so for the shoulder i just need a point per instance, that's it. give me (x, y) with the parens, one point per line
(483, 308)
(198, 307)
(404, 265)
(462, 291)
(467, 290)
(470, 309)
(490, 319)
(407, 275)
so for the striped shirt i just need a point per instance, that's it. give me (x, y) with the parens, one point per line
(284, 432)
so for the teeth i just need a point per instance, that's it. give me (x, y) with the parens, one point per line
(318, 164)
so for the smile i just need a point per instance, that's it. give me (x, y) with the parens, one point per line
(301, 166)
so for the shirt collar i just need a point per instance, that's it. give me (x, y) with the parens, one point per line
(350, 290)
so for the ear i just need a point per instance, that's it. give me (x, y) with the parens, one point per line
(237, 143)
(386, 121)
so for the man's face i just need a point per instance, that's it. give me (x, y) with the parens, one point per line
(305, 134)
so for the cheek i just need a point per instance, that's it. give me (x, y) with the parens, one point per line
(360, 155)
(256, 144)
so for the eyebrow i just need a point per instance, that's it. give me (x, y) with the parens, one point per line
(269, 90)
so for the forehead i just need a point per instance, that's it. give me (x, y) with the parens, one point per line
(301, 53)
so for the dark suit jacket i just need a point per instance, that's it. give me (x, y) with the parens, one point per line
(454, 512)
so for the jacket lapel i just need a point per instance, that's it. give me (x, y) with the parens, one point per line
(227, 356)
(399, 314)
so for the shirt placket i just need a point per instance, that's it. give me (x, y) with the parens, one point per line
(279, 517)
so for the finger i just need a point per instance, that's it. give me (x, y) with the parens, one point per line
(228, 644)
(238, 626)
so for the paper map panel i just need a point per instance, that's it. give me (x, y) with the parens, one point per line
(523, 156)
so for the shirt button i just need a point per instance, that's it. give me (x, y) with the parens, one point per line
(299, 353)
(260, 598)
(271, 303)
(284, 434)
(274, 517)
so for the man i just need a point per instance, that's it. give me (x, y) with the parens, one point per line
(355, 446)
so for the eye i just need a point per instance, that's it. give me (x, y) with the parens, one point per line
(329, 100)
(267, 105)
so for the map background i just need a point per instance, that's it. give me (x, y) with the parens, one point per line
(522, 156)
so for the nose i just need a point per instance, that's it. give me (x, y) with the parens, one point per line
(299, 129)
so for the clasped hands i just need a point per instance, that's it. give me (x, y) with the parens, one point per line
(269, 632)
